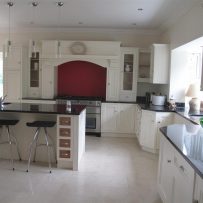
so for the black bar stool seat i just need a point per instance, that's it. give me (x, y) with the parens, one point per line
(40, 124)
(11, 137)
(34, 144)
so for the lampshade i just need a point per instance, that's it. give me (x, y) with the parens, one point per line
(193, 90)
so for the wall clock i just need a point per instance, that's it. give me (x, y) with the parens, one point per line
(78, 48)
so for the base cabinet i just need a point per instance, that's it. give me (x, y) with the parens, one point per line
(117, 118)
(175, 175)
(198, 190)
(151, 121)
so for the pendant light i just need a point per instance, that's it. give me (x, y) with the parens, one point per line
(33, 52)
(8, 43)
(59, 5)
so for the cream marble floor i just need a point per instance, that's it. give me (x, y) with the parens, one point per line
(113, 170)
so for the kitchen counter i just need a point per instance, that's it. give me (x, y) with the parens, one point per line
(188, 140)
(72, 123)
(42, 108)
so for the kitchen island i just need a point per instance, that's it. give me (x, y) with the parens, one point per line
(68, 134)
(180, 176)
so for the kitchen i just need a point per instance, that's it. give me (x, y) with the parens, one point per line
(177, 37)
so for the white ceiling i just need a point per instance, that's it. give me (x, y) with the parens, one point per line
(114, 14)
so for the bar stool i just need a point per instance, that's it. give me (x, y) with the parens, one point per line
(11, 138)
(39, 125)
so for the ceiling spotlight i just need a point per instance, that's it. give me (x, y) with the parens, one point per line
(59, 3)
(140, 9)
(34, 4)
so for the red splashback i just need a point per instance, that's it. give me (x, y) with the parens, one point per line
(81, 78)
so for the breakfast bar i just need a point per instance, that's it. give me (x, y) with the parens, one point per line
(68, 135)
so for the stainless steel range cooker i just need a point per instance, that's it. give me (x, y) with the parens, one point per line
(93, 111)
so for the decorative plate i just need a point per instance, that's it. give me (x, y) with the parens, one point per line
(78, 48)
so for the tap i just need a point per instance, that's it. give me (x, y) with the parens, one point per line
(2, 99)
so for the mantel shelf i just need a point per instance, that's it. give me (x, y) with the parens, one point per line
(84, 57)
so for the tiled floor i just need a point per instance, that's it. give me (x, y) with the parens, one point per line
(113, 170)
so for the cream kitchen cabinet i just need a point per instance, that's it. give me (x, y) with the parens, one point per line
(12, 85)
(14, 69)
(138, 115)
(112, 86)
(49, 49)
(159, 64)
(175, 175)
(117, 118)
(49, 80)
(150, 136)
(153, 63)
(128, 83)
(147, 138)
(166, 171)
(178, 119)
(198, 196)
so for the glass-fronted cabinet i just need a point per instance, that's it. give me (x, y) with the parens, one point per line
(144, 65)
(129, 59)
(34, 70)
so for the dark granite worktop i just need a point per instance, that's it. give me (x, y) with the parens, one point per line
(188, 140)
(42, 108)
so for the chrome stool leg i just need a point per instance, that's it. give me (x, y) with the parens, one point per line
(10, 144)
(53, 148)
(16, 143)
(34, 157)
(31, 147)
(48, 151)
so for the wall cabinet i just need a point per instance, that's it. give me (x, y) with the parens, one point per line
(150, 136)
(128, 83)
(159, 64)
(117, 118)
(49, 82)
(14, 69)
(154, 62)
(175, 175)
(49, 49)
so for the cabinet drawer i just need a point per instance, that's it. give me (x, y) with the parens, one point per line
(64, 143)
(64, 132)
(65, 121)
(64, 154)
(183, 166)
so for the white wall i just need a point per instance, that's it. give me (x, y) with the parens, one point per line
(186, 29)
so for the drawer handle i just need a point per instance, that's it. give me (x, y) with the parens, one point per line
(169, 161)
(182, 168)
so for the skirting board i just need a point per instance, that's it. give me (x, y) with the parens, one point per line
(118, 135)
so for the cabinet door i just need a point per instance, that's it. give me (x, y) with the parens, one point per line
(159, 64)
(162, 119)
(126, 118)
(128, 83)
(138, 114)
(183, 181)
(166, 171)
(49, 49)
(112, 87)
(14, 59)
(48, 81)
(198, 189)
(12, 85)
(109, 115)
(148, 130)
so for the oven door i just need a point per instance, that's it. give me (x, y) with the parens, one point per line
(93, 124)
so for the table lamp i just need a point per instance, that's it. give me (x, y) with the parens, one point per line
(193, 91)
